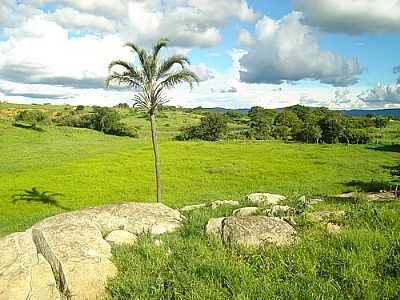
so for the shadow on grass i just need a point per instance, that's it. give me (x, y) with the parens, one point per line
(386, 148)
(34, 195)
(371, 186)
(394, 170)
(19, 125)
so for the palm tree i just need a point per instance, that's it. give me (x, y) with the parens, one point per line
(151, 78)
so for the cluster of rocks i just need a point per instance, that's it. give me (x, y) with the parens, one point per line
(212, 205)
(256, 226)
(69, 255)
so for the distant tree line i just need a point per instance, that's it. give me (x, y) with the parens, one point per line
(296, 123)
(104, 119)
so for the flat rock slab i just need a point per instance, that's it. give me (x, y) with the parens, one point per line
(121, 237)
(265, 198)
(74, 246)
(213, 205)
(24, 274)
(245, 211)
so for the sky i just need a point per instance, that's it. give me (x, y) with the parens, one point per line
(341, 54)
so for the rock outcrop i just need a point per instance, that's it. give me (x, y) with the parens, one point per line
(265, 198)
(214, 227)
(73, 245)
(24, 274)
(214, 205)
(245, 211)
(252, 231)
(280, 211)
(255, 231)
(121, 237)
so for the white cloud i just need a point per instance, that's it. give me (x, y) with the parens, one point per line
(187, 23)
(40, 51)
(73, 19)
(203, 72)
(244, 37)
(287, 50)
(13, 13)
(352, 16)
(382, 96)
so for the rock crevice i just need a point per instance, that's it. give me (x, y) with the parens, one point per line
(72, 245)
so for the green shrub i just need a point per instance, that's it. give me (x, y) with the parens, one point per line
(32, 118)
(212, 127)
(102, 119)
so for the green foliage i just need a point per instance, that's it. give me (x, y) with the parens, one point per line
(102, 119)
(122, 106)
(363, 262)
(32, 117)
(87, 158)
(381, 122)
(212, 127)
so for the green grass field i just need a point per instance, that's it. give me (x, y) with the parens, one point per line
(89, 168)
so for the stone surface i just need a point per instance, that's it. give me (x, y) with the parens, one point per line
(333, 228)
(255, 231)
(24, 274)
(73, 245)
(193, 207)
(279, 210)
(245, 211)
(214, 227)
(319, 216)
(265, 198)
(219, 203)
(302, 199)
(121, 237)
(314, 201)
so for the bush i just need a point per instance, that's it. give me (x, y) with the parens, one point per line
(212, 127)
(75, 120)
(102, 119)
(120, 129)
(32, 118)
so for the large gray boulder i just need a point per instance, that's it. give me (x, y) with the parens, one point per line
(255, 231)
(214, 227)
(24, 274)
(73, 244)
(265, 198)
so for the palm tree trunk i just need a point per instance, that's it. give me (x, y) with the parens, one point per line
(156, 157)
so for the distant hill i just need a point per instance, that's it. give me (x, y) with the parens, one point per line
(243, 111)
(394, 112)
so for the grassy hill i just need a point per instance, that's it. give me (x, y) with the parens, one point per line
(89, 168)
(83, 167)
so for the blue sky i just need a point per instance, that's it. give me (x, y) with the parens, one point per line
(339, 54)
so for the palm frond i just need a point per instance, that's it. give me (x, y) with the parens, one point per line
(127, 66)
(161, 43)
(167, 64)
(140, 52)
(184, 75)
(123, 79)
